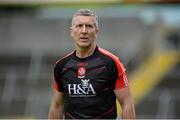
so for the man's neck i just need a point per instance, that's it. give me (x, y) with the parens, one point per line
(85, 52)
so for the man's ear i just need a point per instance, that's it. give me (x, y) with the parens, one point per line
(70, 30)
(97, 30)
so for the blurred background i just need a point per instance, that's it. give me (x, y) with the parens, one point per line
(34, 34)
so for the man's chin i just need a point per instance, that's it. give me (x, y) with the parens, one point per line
(84, 45)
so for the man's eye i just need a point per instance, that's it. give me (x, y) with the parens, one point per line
(89, 26)
(79, 26)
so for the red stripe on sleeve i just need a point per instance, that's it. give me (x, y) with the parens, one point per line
(122, 80)
(56, 86)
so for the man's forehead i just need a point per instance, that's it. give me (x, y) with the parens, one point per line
(84, 19)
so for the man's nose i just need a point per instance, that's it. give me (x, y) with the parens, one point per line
(84, 29)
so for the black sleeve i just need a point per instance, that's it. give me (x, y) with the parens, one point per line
(114, 74)
(118, 72)
(57, 77)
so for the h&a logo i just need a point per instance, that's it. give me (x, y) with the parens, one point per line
(85, 88)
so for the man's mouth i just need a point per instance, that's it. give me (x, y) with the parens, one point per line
(84, 38)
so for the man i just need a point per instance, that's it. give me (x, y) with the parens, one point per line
(88, 80)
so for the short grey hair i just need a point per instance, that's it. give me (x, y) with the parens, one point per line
(85, 12)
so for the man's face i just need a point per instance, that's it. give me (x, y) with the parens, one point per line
(84, 31)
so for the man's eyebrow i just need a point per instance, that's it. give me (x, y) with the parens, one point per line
(84, 24)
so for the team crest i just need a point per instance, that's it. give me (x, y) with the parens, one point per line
(81, 72)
